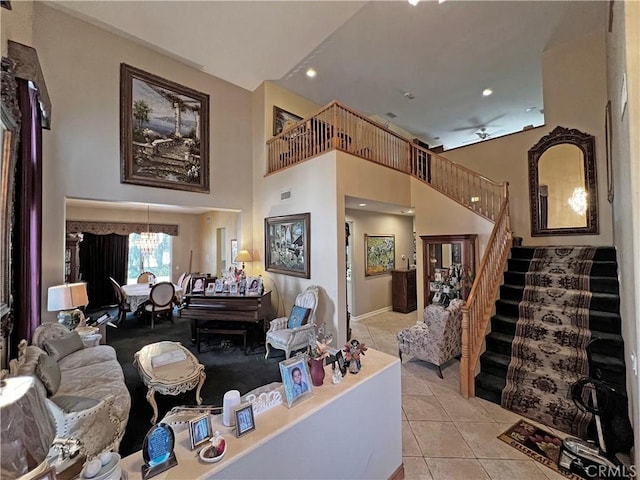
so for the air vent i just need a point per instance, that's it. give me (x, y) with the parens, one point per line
(285, 195)
(391, 115)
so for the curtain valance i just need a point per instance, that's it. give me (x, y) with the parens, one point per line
(120, 228)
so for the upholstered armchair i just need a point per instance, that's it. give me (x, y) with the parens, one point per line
(438, 339)
(295, 331)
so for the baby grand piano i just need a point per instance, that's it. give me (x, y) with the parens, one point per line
(224, 313)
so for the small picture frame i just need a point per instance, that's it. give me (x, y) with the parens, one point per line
(434, 287)
(446, 289)
(198, 285)
(245, 421)
(211, 288)
(219, 285)
(233, 288)
(341, 363)
(296, 379)
(199, 430)
(438, 276)
(254, 285)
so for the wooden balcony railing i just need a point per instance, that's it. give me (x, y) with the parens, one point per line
(338, 127)
(477, 311)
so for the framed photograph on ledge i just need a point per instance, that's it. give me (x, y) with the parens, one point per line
(286, 245)
(199, 430)
(296, 379)
(254, 285)
(245, 421)
(380, 254)
(164, 132)
(198, 285)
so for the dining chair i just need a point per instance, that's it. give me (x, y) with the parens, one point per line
(146, 277)
(123, 306)
(161, 299)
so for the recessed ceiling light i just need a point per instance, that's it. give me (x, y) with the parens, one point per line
(414, 2)
(530, 109)
(311, 72)
(409, 211)
(486, 92)
(362, 204)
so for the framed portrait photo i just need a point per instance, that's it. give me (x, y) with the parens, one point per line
(199, 430)
(296, 379)
(245, 421)
(164, 132)
(198, 285)
(219, 285)
(211, 288)
(286, 245)
(254, 285)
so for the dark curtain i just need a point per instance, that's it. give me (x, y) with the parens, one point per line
(27, 233)
(101, 257)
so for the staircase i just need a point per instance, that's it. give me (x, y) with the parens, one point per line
(606, 354)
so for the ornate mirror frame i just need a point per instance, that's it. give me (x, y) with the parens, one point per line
(10, 116)
(586, 143)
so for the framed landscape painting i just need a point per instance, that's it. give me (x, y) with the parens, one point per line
(380, 254)
(287, 245)
(283, 120)
(164, 133)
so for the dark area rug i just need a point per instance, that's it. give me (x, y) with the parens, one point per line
(226, 367)
(536, 443)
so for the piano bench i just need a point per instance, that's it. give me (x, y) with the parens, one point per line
(220, 329)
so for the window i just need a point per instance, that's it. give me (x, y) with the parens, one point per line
(159, 262)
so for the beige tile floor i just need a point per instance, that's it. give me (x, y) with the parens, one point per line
(444, 436)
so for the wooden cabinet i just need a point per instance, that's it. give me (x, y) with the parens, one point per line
(403, 287)
(72, 258)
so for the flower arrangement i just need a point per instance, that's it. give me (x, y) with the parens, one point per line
(319, 343)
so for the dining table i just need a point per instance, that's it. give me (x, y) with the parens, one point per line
(138, 293)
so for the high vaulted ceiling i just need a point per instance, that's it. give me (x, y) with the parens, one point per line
(368, 55)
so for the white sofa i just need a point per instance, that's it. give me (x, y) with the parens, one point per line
(91, 403)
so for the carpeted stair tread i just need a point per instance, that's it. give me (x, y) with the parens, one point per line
(489, 387)
(596, 284)
(609, 345)
(599, 269)
(598, 320)
(601, 302)
(498, 363)
(601, 254)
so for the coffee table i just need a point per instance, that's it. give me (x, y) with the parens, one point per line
(182, 374)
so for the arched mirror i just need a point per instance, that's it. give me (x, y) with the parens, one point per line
(563, 193)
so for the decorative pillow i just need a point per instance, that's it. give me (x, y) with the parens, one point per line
(71, 403)
(298, 316)
(48, 372)
(62, 346)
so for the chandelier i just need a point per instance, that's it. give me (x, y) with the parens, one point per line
(148, 242)
(578, 200)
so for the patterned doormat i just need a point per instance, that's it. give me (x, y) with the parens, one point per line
(536, 443)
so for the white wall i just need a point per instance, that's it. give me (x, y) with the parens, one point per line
(373, 293)
(623, 50)
(81, 153)
(575, 93)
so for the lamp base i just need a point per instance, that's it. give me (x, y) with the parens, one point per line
(71, 318)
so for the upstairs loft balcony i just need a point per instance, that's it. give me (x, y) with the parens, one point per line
(337, 127)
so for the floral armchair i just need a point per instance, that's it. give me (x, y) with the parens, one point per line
(438, 339)
(289, 339)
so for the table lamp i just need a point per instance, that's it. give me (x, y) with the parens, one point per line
(27, 429)
(243, 256)
(67, 298)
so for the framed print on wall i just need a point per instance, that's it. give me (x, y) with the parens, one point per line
(286, 245)
(164, 132)
(380, 254)
(283, 120)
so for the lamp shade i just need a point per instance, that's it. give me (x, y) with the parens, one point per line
(243, 256)
(67, 296)
(27, 429)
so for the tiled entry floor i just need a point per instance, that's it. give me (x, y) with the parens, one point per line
(444, 436)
